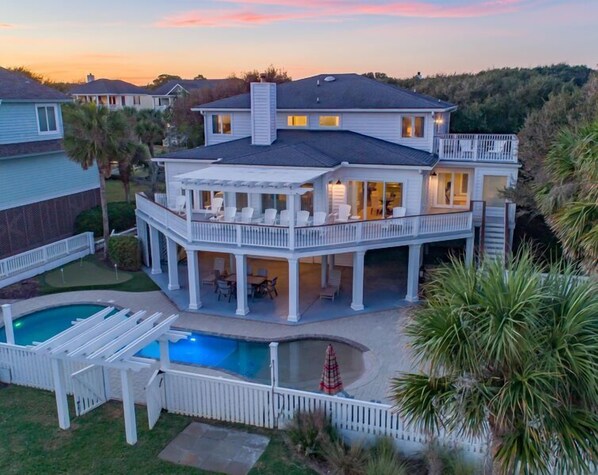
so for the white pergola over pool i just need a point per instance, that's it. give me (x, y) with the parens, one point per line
(106, 341)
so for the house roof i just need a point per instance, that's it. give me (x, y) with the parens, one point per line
(190, 85)
(108, 86)
(18, 87)
(346, 91)
(310, 148)
(30, 148)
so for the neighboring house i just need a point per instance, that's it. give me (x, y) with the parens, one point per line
(112, 93)
(167, 93)
(41, 190)
(372, 165)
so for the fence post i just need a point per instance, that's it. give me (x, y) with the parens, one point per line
(273, 382)
(8, 328)
(91, 242)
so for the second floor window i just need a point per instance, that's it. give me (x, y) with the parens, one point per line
(221, 124)
(297, 121)
(46, 119)
(412, 127)
(329, 121)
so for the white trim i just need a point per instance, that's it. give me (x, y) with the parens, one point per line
(57, 122)
(231, 133)
(245, 109)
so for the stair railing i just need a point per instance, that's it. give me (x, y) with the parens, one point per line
(478, 211)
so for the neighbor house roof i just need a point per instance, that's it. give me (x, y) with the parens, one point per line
(310, 148)
(30, 148)
(108, 86)
(191, 85)
(346, 91)
(18, 87)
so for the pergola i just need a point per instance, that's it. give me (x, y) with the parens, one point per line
(105, 341)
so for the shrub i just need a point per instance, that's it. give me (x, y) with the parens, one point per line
(384, 459)
(121, 216)
(125, 252)
(344, 460)
(310, 432)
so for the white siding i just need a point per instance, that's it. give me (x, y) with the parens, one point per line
(263, 113)
(478, 183)
(18, 123)
(240, 127)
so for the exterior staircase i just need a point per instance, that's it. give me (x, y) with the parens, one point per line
(495, 229)
(494, 238)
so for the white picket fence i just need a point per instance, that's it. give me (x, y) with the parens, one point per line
(45, 258)
(228, 400)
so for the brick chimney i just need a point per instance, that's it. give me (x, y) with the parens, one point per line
(90, 77)
(263, 112)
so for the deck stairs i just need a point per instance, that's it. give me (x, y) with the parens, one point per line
(494, 238)
(495, 227)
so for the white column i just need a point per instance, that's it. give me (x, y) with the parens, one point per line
(331, 263)
(292, 217)
(413, 272)
(193, 268)
(188, 212)
(358, 268)
(469, 251)
(128, 406)
(241, 271)
(8, 328)
(293, 290)
(155, 250)
(62, 403)
(164, 355)
(274, 364)
(324, 271)
(173, 265)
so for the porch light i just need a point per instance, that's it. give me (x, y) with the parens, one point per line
(338, 182)
(438, 120)
(434, 174)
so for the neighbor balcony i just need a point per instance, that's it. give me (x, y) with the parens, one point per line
(498, 148)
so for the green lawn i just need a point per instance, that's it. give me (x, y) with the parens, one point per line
(116, 192)
(93, 274)
(31, 442)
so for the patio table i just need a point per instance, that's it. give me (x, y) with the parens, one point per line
(255, 280)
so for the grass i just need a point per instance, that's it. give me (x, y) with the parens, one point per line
(116, 192)
(31, 442)
(93, 274)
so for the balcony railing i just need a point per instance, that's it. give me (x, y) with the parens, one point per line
(307, 237)
(477, 148)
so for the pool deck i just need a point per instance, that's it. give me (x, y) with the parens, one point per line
(380, 332)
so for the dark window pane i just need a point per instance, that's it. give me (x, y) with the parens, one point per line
(42, 119)
(51, 118)
(215, 124)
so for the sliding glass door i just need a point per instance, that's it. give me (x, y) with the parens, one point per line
(452, 190)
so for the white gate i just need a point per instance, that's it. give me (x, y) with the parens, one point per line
(89, 389)
(154, 395)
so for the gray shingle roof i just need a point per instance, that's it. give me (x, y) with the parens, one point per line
(18, 87)
(347, 91)
(108, 86)
(190, 85)
(30, 148)
(310, 148)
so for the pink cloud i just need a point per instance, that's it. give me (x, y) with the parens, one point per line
(6, 26)
(249, 12)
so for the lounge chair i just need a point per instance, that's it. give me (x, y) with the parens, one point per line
(334, 286)
(399, 212)
(230, 213)
(246, 214)
(344, 211)
(216, 206)
(302, 218)
(319, 218)
(270, 216)
(180, 204)
(466, 147)
(284, 217)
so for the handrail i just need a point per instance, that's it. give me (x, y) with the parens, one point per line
(502, 148)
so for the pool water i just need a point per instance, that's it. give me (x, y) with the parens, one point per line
(300, 361)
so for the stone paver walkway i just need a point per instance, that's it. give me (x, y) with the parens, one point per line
(215, 449)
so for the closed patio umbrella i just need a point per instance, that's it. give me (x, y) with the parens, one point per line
(331, 382)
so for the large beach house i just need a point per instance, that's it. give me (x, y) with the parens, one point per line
(321, 171)
(41, 190)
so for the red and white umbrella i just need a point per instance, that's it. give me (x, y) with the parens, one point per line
(331, 382)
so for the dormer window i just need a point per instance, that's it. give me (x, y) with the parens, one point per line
(329, 121)
(221, 124)
(297, 121)
(412, 127)
(47, 120)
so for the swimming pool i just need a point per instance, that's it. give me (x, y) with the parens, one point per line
(300, 361)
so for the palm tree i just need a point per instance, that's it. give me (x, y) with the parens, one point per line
(511, 355)
(569, 198)
(96, 136)
(151, 128)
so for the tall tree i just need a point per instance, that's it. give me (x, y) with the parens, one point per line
(569, 195)
(151, 128)
(95, 136)
(512, 355)
(162, 79)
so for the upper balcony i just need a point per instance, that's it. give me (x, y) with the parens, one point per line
(496, 148)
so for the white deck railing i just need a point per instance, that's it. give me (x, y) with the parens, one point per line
(45, 258)
(477, 147)
(308, 237)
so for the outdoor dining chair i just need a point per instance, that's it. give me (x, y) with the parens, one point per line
(270, 216)
(224, 290)
(269, 287)
(302, 218)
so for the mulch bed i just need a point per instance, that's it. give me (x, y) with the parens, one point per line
(25, 289)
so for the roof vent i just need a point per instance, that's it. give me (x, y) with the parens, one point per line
(329, 79)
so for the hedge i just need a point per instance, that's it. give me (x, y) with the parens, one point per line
(121, 216)
(125, 252)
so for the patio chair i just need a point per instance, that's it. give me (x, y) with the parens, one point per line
(219, 263)
(466, 147)
(270, 216)
(180, 204)
(344, 211)
(230, 213)
(319, 218)
(499, 147)
(302, 218)
(284, 217)
(224, 290)
(246, 214)
(216, 205)
(334, 285)
(399, 212)
(269, 287)
(211, 278)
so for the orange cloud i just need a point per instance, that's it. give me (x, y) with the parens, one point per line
(6, 26)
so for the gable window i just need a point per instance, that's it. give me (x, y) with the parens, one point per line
(221, 124)
(412, 127)
(46, 119)
(297, 121)
(136, 100)
(329, 121)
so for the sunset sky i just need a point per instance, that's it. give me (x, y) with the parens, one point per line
(136, 40)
